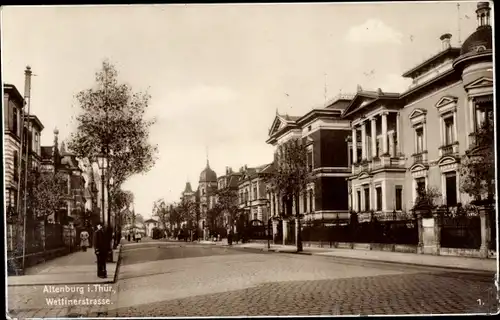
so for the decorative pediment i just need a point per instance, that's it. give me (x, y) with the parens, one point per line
(448, 163)
(447, 104)
(418, 170)
(361, 100)
(480, 83)
(363, 175)
(417, 116)
(280, 123)
(446, 100)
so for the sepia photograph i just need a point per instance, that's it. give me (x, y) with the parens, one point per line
(249, 160)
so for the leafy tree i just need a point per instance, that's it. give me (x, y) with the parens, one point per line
(46, 193)
(227, 203)
(477, 170)
(427, 200)
(161, 211)
(214, 216)
(290, 178)
(112, 121)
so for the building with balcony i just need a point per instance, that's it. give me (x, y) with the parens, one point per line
(378, 167)
(325, 134)
(451, 96)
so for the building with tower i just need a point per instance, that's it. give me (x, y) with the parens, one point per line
(207, 189)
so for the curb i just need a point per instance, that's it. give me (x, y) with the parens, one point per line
(368, 260)
(118, 263)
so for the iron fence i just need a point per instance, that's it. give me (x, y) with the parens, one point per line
(396, 231)
(460, 228)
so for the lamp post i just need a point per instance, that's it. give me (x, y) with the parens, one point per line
(102, 162)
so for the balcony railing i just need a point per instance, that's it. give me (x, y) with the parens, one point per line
(420, 157)
(447, 150)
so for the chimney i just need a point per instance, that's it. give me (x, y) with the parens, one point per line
(483, 14)
(359, 89)
(445, 40)
(379, 92)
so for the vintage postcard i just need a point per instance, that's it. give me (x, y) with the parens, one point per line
(249, 160)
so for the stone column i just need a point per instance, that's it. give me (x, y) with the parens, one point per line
(455, 126)
(285, 231)
(363, 141)
(384, 133)
(425, 136)
(373, 125)
(398, 139)
(420, 246)
(485, 231)
(437, 231)
(354, 145)
(391, 145)
(275, 230)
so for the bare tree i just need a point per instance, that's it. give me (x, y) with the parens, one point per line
(227, 202)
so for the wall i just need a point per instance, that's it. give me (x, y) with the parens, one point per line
(433, 134)
(10, 145)
(334, 148)
(331, 193)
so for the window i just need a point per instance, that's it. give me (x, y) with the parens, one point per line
(255, 195)
(274, 204)
(359, 201)
(448, 133)
(399, 198)
(310, 160)
(420, 139)
(311, 199)
(367, 199)
(304, 198)
(420, 185)
(15, 126)
(359, 154)
(451, 189)
(16, 165)
(379, 198)
(309, 128)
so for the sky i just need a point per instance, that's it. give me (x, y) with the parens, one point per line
(217, 74)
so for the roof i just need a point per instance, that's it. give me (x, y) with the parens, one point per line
(480, 40)
(451, 52)
(34, 119)
(188, 188)
(369, 97)
(208, 175)
(12, 90)
(151, 221)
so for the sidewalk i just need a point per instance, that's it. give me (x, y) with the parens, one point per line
(75, 268)
(475, 264)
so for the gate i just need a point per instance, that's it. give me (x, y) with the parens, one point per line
(278, 237)
(461, 229)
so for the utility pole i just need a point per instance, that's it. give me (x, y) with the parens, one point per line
(27, 97)
(459, 20)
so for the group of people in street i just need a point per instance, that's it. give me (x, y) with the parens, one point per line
(136, 237)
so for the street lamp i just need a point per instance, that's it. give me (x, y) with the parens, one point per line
(268, 225)
(102, 162)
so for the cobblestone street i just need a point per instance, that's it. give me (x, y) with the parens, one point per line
(184, 279)
(210, 281)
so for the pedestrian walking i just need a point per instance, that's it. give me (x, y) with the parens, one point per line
(84, 240)
(101, 248)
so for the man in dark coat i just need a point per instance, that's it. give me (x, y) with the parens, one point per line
(101, 247)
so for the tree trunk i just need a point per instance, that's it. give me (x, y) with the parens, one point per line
(298, 238)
